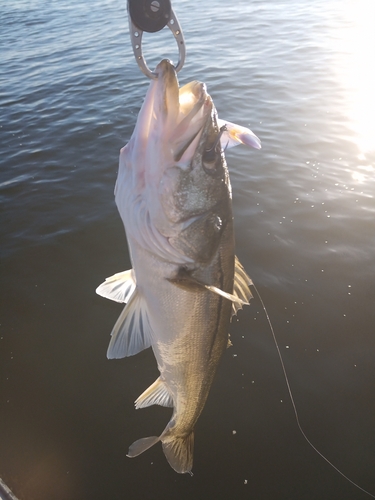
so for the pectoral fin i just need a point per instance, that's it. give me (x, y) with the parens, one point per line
(241, 292)
(118, 287)
(233, 298)
(189, 283)
(156, 394)
(132, 332)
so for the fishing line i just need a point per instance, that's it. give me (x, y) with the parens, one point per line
(294, 405)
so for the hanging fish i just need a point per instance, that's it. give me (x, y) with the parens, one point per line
(174, 197)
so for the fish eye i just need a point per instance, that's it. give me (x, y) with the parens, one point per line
(212, 157)
(214, 167)
(209, 156)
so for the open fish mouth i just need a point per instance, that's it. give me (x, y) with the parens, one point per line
(174, 124)
(184, 113)
(189, 117)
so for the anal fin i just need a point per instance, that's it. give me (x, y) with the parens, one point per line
(156, 394)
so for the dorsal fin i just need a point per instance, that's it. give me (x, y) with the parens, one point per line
(241, 288)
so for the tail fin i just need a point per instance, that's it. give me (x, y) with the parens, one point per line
(141, 445)
(178, 450)
(179, 453)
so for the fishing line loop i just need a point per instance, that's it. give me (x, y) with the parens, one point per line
(151, 16)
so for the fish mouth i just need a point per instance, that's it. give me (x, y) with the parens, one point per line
(186, 112)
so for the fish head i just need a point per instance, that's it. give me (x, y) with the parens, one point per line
(169, 125)
(173, 170)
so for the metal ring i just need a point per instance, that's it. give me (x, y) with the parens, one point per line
(136, 39)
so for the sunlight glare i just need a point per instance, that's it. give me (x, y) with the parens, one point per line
(357, 44)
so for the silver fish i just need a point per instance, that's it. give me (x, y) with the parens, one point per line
(174, 197)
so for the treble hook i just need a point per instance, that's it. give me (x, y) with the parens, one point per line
(152, 16)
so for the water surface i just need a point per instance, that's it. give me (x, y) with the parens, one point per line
(300, 74)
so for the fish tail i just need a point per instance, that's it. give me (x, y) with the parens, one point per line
(179, 452)
(141, 445)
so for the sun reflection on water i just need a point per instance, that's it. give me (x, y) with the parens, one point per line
(357, 46)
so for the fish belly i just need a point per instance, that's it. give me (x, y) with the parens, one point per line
(190, 328)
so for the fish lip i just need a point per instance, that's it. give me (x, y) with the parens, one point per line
(185, 110)
(167, 91)
(166, 73)
(164, 66)
(167, 78)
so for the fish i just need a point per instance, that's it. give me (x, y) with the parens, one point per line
(174, 196)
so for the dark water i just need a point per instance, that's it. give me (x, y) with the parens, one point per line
(301, 75)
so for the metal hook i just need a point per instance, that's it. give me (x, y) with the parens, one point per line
(152, 16)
